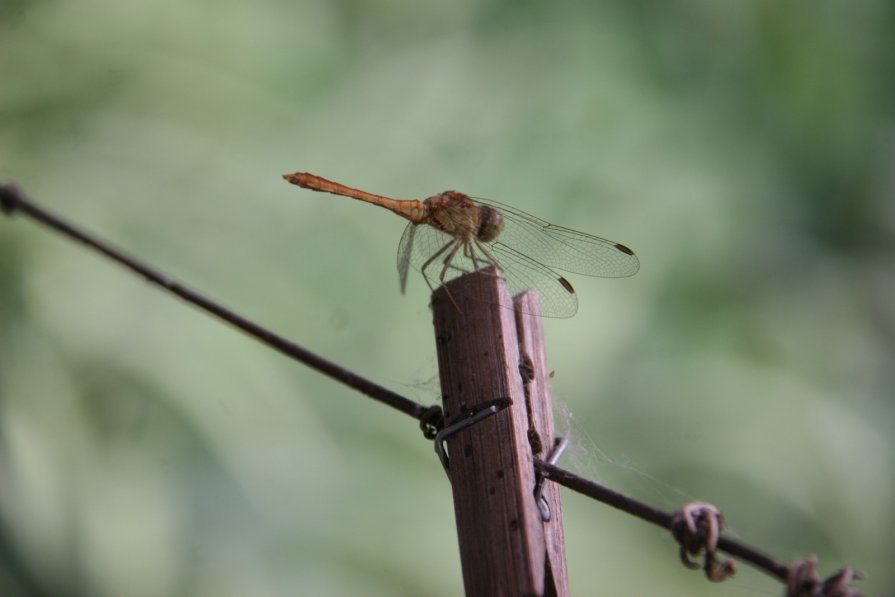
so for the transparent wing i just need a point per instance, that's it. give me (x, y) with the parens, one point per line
(559, 247)
(521, 273)
(558, 298)
(405, 247)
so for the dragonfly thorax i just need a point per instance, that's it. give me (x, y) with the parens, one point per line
(463, 218)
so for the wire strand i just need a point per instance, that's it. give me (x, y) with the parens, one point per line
(12, 200)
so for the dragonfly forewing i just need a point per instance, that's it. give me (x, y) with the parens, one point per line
(563, 248)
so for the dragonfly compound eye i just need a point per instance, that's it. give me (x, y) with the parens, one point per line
(490, 224)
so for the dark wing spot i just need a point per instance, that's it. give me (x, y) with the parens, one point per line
(567, 285)
(623, 249)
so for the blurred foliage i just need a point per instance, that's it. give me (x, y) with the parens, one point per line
(744, 150)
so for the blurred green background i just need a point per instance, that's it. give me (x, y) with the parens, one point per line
(745, 150)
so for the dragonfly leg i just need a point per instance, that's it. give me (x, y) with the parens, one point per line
(447, 265)
(429, 261)
(489, 257)
(469, 253)
(447, 261)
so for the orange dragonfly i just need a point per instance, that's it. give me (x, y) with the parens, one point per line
(452, 234)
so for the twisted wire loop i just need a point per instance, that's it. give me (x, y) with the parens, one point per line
(696, 527)
(802, 581)
(431, 421)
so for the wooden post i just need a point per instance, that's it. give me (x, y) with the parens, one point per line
(505, 546)
(542, 433)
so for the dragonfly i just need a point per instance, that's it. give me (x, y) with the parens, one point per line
(452, 234)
